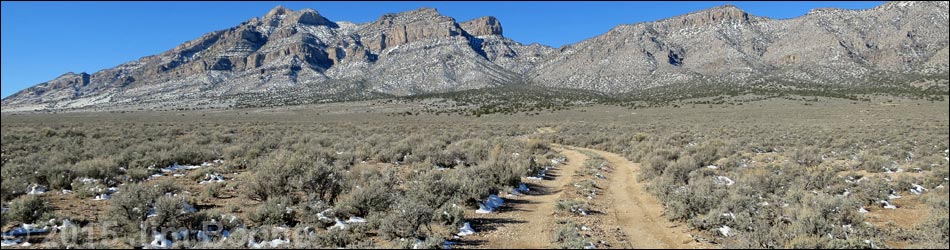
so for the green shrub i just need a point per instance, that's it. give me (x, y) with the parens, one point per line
(274, 211)
(567, 236)
(28, 209)
(405, 219)
(130, 208)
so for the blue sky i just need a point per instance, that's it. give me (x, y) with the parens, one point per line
(42, 40)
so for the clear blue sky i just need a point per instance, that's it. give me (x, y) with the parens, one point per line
(42, 40)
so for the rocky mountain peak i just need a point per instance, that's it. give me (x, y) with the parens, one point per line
(482, 26)
(308, 17)
(277, 11)
(722, 14)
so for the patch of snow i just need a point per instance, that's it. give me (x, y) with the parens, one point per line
(202, 236)
(355, 220)
(466, 230)
(888, 205)
(862, 210)
(447, 244)
(10, 243)
(36, 189)
(490, 205)
(712, 167)
(722, 180)
(26, 244)
(102, 197)
(25, 230)
(725, 231)
(212, 178)
(523, 188)
(187, 208)
(268, 244)
(590, 246)
(585, 228)
(894, 197)
(917, 189)
(339, 225)
(846, 193)
(65, 192)
(322, 215)
(175, 167)
(159, 242)
(730, 215)
(66, 223)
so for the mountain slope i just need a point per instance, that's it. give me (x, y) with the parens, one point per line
(414, 52)
(728, 45)
(302, 57)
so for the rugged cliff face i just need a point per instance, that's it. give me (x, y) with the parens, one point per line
(422, 51)
(726, 44)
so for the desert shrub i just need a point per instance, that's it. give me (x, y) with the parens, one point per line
(450, 215)
(686, 202)
(99, 168)
(678, 172)
(374, 192)
(405, 219)
(28, 209)
(130, 208)
(568, 236)
(167, 210)
(274, 211)
(807, 156)
(139, 174)
(324, 181)
(273, 177)
(874, 163)
(573, 206)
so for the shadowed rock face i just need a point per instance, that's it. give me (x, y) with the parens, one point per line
(422, 51)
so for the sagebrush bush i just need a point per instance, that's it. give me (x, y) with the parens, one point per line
(28, 209)
(275, 211)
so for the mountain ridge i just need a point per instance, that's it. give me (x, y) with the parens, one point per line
(421, 51)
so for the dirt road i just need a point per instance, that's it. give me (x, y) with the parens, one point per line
(536, 209)
(637, 212)
(528, 221)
